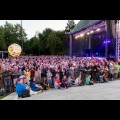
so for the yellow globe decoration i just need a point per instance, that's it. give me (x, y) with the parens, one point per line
(14, 50)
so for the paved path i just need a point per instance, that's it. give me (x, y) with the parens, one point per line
(99, 91)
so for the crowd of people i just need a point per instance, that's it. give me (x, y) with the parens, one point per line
(36, 74)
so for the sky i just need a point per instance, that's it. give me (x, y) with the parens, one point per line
(33, 26)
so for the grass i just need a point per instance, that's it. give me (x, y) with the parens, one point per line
(4, 95)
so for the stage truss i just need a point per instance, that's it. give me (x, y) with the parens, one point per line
(118, 40)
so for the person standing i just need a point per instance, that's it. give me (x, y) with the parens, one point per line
(32, 73)
(87, 71)
(49, 78)
(7, 79)
(116, 70)
(1, 80)
(37, 75)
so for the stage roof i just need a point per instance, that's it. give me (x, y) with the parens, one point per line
(83, 24)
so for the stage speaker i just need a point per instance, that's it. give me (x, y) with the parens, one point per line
(110, 28)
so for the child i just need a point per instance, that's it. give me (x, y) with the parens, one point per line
(57, 83)
(45, 84)
(63, 84)
(88, 81)
(79, 81)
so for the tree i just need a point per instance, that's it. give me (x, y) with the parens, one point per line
(12, 34)
(41, 43)
(2, 41)
(33, 46)
(70, 25)
(45, 34)
(63, 46)
(54, 43)
(46, 43)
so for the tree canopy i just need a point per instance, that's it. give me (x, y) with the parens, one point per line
(49, 42)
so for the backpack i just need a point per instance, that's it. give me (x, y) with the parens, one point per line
(25, 94)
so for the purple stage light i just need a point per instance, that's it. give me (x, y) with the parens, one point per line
(106, 41)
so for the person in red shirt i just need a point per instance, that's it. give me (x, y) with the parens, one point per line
(57, 83)
(32, 73)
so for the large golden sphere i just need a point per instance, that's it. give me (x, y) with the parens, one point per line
(14, 50)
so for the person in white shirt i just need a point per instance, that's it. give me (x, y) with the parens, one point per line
(78, 80)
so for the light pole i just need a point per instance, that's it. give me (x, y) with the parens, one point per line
(70, 26)
(70, 45)
(22, 37)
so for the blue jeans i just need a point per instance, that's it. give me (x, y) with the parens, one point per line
(49, 81)
(37, 89)
(7, 84)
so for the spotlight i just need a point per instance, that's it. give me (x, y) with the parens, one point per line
(98, 29)
(76, 37)
(88, 33)
(91, 31)
(81, 35)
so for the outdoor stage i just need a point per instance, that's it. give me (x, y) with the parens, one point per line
(93, 38)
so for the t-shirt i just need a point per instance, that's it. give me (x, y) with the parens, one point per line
(87, 82)
(27, 73)
(116, 68)
(87, 68)
(57, 81)
(100, 74)
(76, 81)
(20, 88)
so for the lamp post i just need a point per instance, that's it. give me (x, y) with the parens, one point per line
(70, 26)
(70, 45)
(22, 37)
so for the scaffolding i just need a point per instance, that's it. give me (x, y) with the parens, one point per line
(118, 40)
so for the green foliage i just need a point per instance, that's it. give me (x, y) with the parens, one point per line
(49, 42)
(70, 25)
(2, 41)
(11, 34)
